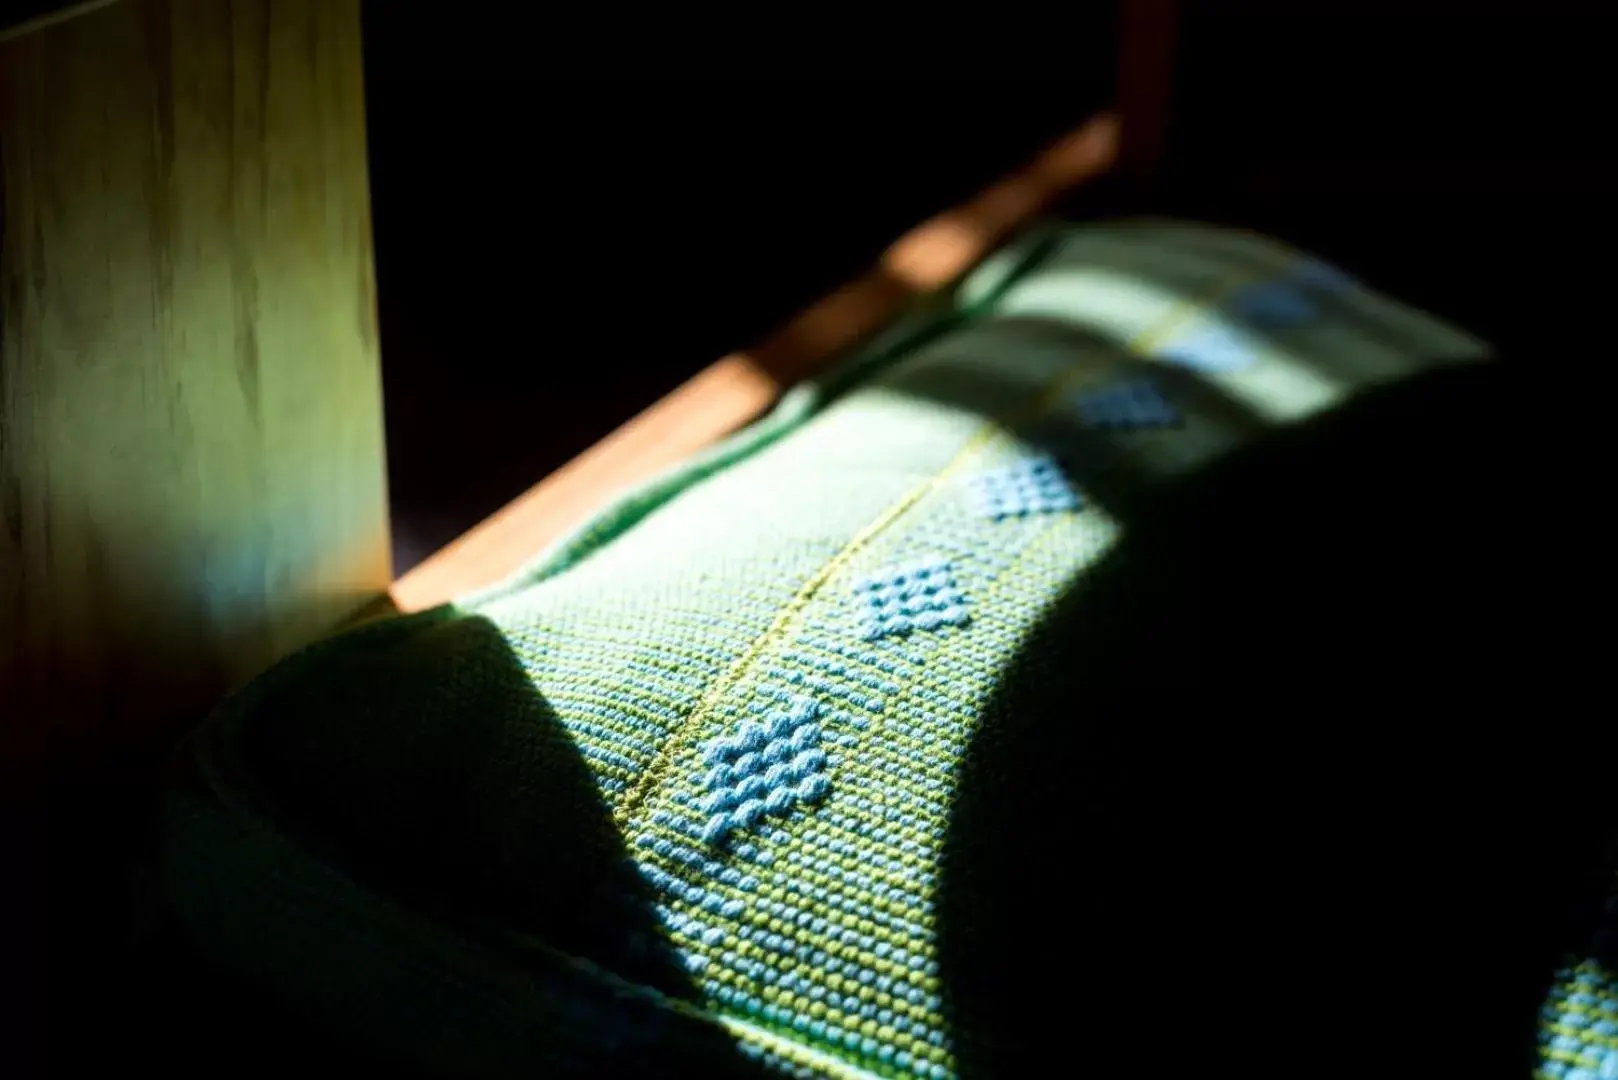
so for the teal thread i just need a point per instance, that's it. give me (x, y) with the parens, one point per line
(1035, 485)
(918, 595)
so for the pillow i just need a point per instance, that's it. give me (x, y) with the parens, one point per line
(1086, 676)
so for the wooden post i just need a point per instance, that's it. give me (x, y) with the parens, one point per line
(191, 444)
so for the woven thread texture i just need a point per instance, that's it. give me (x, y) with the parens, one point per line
(709, 768)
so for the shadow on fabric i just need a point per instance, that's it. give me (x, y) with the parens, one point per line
(1291, 781)
(439, 851)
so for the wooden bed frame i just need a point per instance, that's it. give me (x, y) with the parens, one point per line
(192, 465)
(737, 388)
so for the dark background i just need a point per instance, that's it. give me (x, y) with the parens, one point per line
(1465, 164)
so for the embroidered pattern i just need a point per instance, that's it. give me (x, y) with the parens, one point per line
(1578, 1032)
(1033, 486)
(763, 768)
(916, 596)
(1274, 305)
(1127, 405)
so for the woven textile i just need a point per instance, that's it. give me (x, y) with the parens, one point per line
(685, 795)
(1580, 1027)
(1578, 1023)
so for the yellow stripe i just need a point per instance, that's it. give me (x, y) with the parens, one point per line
(1182, 312)
(717, 690)
(796, 1052)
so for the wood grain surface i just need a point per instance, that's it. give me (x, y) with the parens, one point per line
(191, 443)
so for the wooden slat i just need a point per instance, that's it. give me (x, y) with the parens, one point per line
(191, 455)
(738, 387)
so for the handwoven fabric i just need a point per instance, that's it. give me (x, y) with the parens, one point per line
(744, 773)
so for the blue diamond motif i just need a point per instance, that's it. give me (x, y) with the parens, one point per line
(1274, 305)
(1213, 349)
(1127, 405)
(1576, 1024)
(920, 595)
(763, 768)
(1035, 485)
